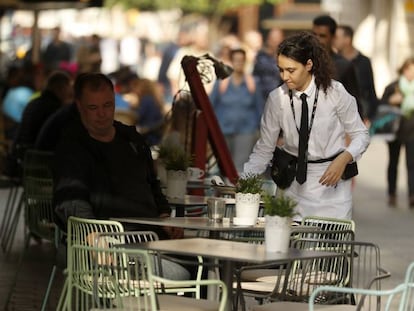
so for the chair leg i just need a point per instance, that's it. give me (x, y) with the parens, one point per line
(10, 196)
(8, 212)
(19, 266)
(63, 299)
(49, 287)
(11, 233)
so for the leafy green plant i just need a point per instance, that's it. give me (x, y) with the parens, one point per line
(249, 183)
(174, 158)
(281, 205)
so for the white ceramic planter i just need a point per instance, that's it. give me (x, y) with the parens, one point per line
(176, 184)
(277, 233)
(247, 208)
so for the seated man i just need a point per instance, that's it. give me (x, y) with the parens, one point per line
(103, 168)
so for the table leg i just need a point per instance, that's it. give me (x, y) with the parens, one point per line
(227, 278)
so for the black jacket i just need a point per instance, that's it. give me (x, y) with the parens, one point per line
(82, 172)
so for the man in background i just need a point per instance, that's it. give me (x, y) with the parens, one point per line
(324, 28)
(344, 44)
(57, 93)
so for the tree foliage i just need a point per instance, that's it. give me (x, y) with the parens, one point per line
(208, 7)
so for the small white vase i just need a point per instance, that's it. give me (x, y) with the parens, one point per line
(277, 234)
(176, 184)
(247, 208)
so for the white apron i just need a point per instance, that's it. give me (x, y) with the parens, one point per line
(315, 199)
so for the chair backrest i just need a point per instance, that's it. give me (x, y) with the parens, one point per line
(83, 232)
(37, 163)
(39, 214)
(327, 223)
(111, 278)
(364, 269)
(160, 261)
(407, 297)
(38, 194)
(401, 294)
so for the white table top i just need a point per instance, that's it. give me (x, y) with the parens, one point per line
(198, 223)
(229, 250)
(189, 200)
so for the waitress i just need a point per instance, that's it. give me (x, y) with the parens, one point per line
(312, 105)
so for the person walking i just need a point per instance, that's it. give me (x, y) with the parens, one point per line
(265, 66)
(315, 112)
(238, 104)
(400, 94)
(343, 42)
(324, 28)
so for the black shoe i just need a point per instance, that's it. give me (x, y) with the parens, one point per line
(411, 201)
(392, 200)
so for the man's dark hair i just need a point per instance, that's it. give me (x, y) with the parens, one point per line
(91, 81)
(326, 20)
(57, 80)
(348, 31)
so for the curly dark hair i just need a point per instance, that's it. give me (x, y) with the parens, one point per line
(304, 46)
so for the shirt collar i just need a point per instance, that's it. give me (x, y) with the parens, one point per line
(310, 90)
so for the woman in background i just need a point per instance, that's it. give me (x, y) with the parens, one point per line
(400, 93)
(238, 104)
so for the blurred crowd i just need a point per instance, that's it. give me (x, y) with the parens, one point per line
(146, 91)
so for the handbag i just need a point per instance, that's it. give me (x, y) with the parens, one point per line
(350, 171)
(283, 168)
(386, 122)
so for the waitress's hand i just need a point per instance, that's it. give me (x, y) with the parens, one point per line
(335, 170)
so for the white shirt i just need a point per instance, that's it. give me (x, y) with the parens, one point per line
(336, 115)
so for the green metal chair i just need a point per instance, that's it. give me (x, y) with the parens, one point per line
(39, 214)
(402, 293)
(82, 231)
(37, 164)
(122, 279)
(160, 261)
(263, 281)
(361, 269)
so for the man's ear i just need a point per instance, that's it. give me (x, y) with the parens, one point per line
(309, 65)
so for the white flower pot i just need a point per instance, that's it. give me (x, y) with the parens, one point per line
(277, 234)
(247, 208)
(176, 184)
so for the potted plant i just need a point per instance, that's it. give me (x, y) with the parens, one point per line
(176, 162)
(248, 193)
(279, 211)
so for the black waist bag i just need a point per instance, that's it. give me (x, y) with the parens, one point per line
(283, 170)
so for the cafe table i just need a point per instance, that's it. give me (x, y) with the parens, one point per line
(229, 253)
(195, 223)
(180, 204)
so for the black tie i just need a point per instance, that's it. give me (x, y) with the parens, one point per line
(303, 142)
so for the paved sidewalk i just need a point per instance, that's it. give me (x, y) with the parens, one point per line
(390, 228)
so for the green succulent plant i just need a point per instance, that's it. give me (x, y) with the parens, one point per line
(249, 183)
(281, 205)
(174, 158)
